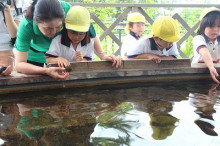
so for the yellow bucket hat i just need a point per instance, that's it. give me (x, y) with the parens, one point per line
(166, 28)
(134, 17)
(205, 12)
(78, 19)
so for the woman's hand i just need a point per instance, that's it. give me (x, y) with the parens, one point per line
(7, 71)
(62, 62)
(115, 59)
(78, 56)
(54, 72)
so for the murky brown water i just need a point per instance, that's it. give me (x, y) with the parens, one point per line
(167, 113)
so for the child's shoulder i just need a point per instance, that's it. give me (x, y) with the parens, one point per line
(145, 39)
(199, 38)
(58, 37)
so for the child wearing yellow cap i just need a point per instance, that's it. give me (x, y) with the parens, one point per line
(134, 28)
(206, 44)
(75, 43)
(160, 44)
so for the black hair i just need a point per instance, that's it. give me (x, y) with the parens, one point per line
(66, 41)
(131, 24)
(45, 10)
(208, 21)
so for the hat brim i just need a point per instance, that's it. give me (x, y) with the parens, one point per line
(171, 39)
(77, 28)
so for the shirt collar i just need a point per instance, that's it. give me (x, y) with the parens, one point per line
(218, 39)
(207, 40)
(133, 34)
(153, 45)
(65, 39)
(36, 29)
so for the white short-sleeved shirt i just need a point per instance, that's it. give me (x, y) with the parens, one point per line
(57, 49)
(4, 35)
(201, 41)
(128, 43)
(148, 45)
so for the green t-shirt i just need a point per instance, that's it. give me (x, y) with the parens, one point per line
(29, 36)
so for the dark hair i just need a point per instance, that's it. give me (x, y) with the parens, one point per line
(208, 21)
(131, 24)
(45, 10)
(66, 41)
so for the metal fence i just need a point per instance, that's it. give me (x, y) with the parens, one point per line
(140, 8)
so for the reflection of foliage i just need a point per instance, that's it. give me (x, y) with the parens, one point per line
(34, 125)
(113, 120)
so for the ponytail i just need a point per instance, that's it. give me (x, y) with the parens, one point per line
(30, 11)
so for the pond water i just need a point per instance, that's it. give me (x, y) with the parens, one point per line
(161, 113)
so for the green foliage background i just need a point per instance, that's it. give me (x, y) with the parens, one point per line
(109, 14)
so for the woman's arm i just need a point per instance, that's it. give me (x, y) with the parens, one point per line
(10, 23)
(22, 66)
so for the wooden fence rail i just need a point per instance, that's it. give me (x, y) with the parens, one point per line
(139, 8)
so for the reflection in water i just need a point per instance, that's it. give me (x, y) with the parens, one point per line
(162, 123)
(156, 114)
(205, 109)
(124, 124)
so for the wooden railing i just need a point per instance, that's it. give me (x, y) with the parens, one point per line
(139, 8)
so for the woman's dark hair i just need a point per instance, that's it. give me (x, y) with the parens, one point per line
(45, 10)
(66, 41)
(208, 21)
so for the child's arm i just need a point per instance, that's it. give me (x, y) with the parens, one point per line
(167, 57)
(98, 48)
(204, 52)
(153, 57)
(62, 62)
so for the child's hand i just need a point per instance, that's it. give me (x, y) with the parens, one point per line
(115, 59)
(62, 62)
(214, 74)
(78, 56)
(156, 59)
(7, 71)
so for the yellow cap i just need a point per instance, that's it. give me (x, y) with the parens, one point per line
(166, 28)
(134, 17)
(206, 11)
(78, 19)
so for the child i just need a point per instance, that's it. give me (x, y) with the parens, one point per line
(160, 44)
(206, 44)
(134, 28)
(75, 42)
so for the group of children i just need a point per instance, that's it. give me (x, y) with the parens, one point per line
(75, 43)
(160, 43)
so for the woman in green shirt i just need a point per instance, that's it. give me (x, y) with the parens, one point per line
(43, 22)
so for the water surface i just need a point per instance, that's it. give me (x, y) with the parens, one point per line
(161, 113)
